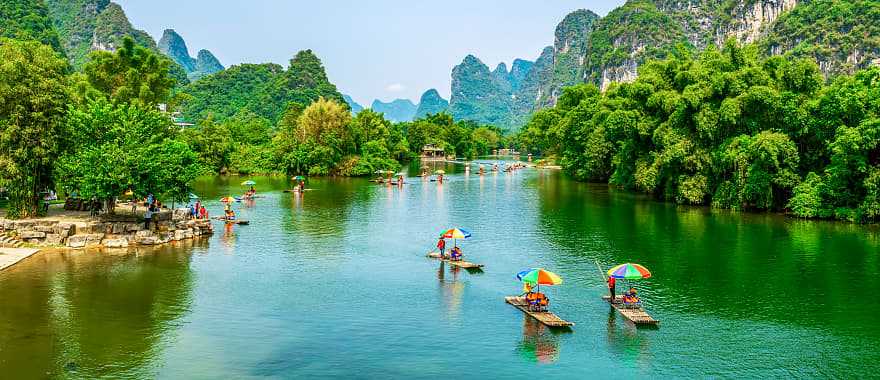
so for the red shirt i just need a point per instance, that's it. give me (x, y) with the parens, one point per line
(441, 244)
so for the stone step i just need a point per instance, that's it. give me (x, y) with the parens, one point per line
(10, 242)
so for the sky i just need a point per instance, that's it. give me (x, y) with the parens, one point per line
(379, 49)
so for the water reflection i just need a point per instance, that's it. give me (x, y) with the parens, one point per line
(626, 340)
(539, 343)
(732, 265)
(93, 314)
(451, 290)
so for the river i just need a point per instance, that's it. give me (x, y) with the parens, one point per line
(335, 284)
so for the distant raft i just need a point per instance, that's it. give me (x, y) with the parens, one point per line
(637, 315)
(240, 222)
(460, 263)
(547, 318)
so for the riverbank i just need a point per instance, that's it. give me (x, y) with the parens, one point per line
(125, 228)
(12, 256)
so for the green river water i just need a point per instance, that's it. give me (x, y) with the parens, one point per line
(335, 284)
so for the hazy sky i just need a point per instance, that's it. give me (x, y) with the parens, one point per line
(383, 49)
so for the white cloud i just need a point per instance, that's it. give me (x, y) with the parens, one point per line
(395, 87)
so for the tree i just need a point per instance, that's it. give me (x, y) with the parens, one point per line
(131, 74)
(213, 144)
(125, 147)
(33, 97)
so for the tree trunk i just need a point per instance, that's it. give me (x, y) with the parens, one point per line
(111, 206)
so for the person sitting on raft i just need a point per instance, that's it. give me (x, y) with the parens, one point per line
(631, 298)
(455, 255)
(537, 301)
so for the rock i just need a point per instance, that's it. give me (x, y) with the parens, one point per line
(146, 240)
(133, 227)
(76, 241)
(54, 239)
(82, 228)
(32, 235)
(179, 235)
(118, 228)
(94, 239)
(63, 229)
(181, 214)
(143, 234)
(116, 243)
(165, 237)
(24, 226)
(44, 229)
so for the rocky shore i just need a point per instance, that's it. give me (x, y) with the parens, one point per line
(108, 232)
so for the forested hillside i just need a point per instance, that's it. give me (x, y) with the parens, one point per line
(840, 36)
(28, 20)
(263, 89)
(727, 127)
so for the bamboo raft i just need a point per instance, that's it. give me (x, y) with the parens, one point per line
(240, 222)
(547, 318)
(460, 264)
(636, 315)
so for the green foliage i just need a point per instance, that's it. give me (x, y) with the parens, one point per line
(33, 97)
(265, 89)
(829, 31)
(465, 139)
(323, 139)
(213, 144)
(117, 147)
(28, 20)
(613, 41)
(131, 74)
(726, 128)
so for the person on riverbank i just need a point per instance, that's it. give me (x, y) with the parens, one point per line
(148, 217)
(203, 213)
(441, 245)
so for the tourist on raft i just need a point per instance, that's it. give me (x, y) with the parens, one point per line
(631, 297)
(611, 285)
(441, 245)
(230, 215)
(538, 301)
(455, 254)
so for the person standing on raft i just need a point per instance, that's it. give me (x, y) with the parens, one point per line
(441, 245)
(611, 284)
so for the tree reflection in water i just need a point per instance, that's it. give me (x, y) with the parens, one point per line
(94, 313)
(539, 343)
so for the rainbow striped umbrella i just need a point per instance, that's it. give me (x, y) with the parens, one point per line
(539, 276)
(455, 233)
(629, 272)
